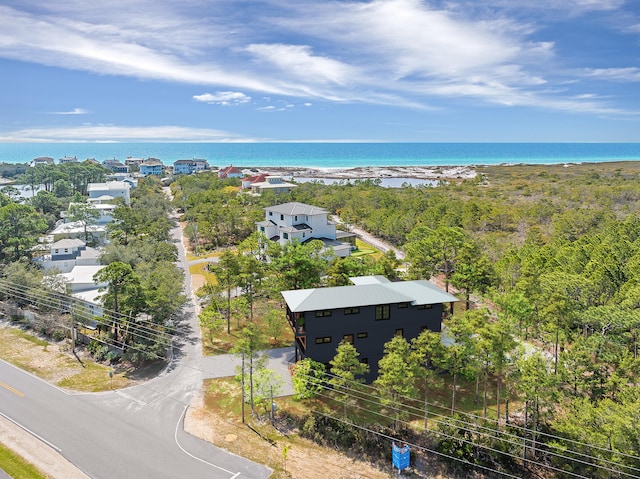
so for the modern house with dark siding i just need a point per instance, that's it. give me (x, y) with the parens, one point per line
(368, 314)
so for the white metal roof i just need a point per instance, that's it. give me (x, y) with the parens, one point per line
(371, 291)
(295, 208)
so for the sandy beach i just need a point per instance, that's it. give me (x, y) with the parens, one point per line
(416, 172)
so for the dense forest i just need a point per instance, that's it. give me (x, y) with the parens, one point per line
(546, 260)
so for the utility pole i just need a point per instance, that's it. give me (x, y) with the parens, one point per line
(242, 387)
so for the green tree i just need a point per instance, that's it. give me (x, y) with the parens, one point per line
(459, 348)
(248, 345)
(346, 370)
(308, 377)
(86, 214)
(474, 272)
(341, 269)
(274, 323)
(20, 228)
(162, 286)
(429, 356)
(122, 295)
(227, 272)
(301, 265)
(435, 251)
(396, 375)
(211, 320)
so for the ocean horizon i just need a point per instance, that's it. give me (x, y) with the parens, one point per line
(332, 155)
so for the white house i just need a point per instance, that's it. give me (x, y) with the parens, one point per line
(151, 166)
(41, 160)
(75, 229)
(114, 189)
(272, 183)
(230, 172)
(302, 222)
(65, 254)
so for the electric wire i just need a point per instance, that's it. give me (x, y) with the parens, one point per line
(59, 301)
(474, 430)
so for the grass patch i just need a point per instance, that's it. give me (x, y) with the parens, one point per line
(16, 467)
(202, 269)
(222, 343)
(191, 257)
(364, 249)
(54, 362)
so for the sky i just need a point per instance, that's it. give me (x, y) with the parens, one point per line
(320, 71)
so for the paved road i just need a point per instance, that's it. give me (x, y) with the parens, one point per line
(132, 433)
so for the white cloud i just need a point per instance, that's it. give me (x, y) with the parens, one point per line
(224, 98)
(299, 61)
(631, 74)
(75, 111)
(105, 133)
(404, 53)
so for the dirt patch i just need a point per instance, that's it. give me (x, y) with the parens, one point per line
(304, 459)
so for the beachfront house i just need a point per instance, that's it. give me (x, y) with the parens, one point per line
(271, 183)
(115, 166)
(151, 166)
(301, 222)
(230, 172)
(68, 159)
(367, 314)
(187, 167)
(41, 161)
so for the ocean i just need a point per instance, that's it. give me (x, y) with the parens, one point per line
(332, 155)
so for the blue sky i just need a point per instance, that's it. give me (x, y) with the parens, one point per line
(299, 70)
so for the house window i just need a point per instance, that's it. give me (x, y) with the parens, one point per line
(425, 306)
(66, 250)
(363, 335)
(322, 314)
(402, 305)
(285, 235)
(348, 338)
(323, 340)
(281, 217)
(399, 332)
(270, 213)
(295, 218)
(262, 229)
(382, 312)
(351, 310)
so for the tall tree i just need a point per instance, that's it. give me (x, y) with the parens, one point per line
(227, 272)
(122, 295)
(250, 343)
(396, 375)
(435, 251)
(430, 356)
(301, 265)
(20, 229)
(346, 370)
(86, 214)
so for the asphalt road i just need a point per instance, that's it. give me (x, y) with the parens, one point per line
(132, 433)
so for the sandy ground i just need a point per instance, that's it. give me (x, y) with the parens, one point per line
(418, 172)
